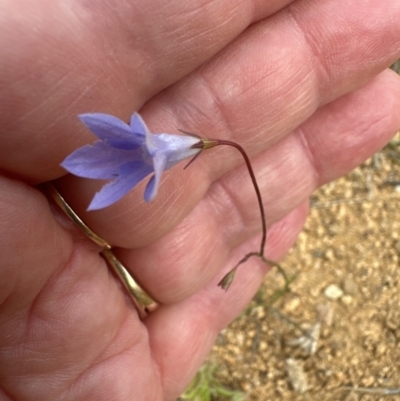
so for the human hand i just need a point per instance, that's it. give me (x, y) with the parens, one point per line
(303, 89)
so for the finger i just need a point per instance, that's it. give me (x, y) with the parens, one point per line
(182, 334)
(332, 142)
(30, 237)
(61, 59)
(65, 323)
(254, 103)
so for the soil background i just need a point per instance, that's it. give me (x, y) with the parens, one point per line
(335, 335)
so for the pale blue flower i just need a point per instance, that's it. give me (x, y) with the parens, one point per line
(126, 154)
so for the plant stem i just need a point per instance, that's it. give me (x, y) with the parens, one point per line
(206, 143)
(256, 188)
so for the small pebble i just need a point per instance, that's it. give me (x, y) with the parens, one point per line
(325, 314)
(297, 377)
(347, 299)
(349, 286)
(292, 304)
(333, 292)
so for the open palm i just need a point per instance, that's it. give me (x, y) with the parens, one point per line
(301, 85)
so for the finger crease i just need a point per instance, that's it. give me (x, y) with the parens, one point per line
(222, 197)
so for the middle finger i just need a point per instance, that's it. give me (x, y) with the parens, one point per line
(332, 142)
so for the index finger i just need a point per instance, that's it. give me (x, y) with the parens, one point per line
(255, 93)
(60, 59)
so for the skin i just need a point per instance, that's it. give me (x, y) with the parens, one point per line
(302, 87)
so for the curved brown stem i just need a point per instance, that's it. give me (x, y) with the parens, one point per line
(256, 188)
(205, 143)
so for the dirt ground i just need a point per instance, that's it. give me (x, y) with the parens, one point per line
(339, 326)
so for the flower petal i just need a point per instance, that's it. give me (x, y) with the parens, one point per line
(131, 167)
(176, 147)
(99, 161)
(113, 131)
(159, 162)
(138, 126)
(115, 190)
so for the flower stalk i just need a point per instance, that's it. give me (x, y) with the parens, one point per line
(227, 280)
